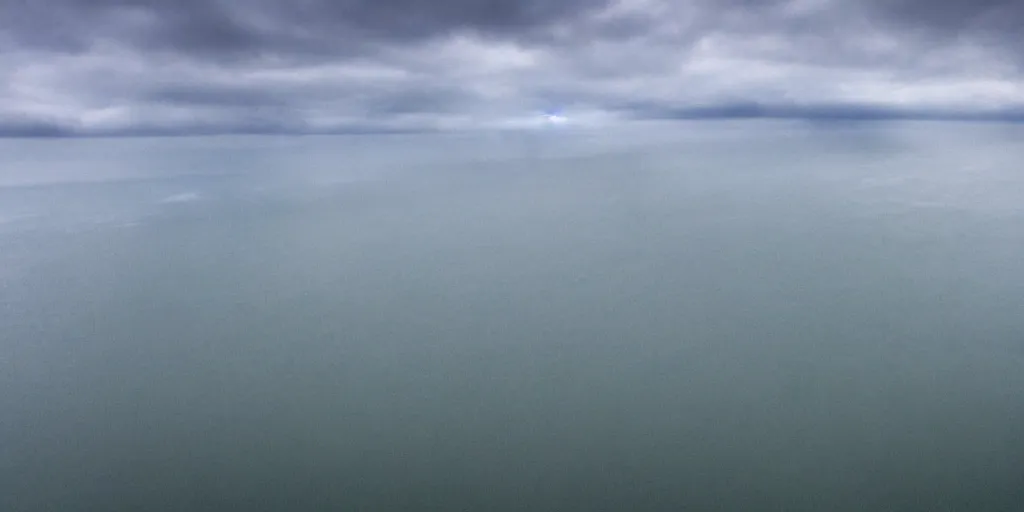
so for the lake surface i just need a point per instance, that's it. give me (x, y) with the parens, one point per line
(693, 316)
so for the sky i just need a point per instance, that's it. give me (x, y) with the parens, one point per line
(122, 67)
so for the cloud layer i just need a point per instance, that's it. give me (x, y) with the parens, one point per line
(210, 66)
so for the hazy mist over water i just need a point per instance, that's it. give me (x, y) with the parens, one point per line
(708, 316)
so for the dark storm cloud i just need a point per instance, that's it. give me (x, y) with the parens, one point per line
(205, 66)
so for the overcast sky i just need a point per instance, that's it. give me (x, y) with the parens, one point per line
(201, 66)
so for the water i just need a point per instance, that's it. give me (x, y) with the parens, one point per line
(716, 316)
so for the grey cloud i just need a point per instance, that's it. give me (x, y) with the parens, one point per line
(261, 98)
(212, 28)
(824, 112)
(21, 127)
(215, 95)
(996, 24)
(412, 100)
(255, 66)
(952, 18)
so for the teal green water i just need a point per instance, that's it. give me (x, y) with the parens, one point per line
(719, 316)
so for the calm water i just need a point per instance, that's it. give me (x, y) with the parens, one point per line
(719, 316)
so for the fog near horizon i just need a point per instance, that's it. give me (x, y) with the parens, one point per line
(677, 316)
